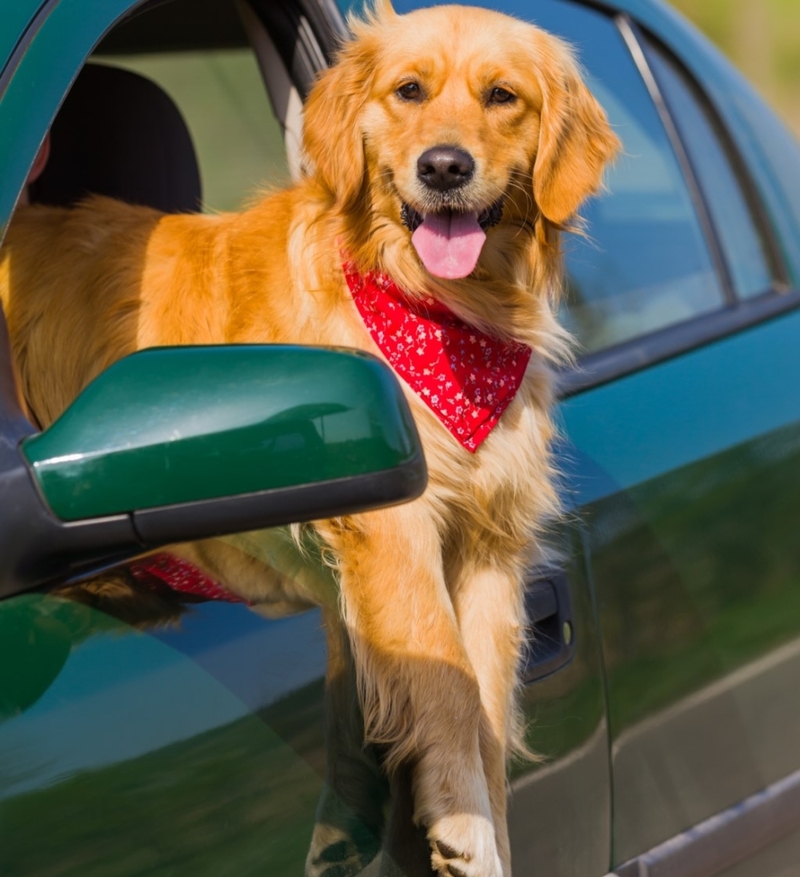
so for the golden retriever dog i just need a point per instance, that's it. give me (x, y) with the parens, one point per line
(446, 150)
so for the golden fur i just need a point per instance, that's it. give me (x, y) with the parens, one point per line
(430, 592)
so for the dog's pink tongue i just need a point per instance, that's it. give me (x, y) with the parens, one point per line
(449, 244)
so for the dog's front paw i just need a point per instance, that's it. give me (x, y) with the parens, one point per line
(464, 846)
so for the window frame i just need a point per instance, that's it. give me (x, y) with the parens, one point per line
(773, 257)
(738, 314)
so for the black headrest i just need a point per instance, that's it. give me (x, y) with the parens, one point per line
(119, 134)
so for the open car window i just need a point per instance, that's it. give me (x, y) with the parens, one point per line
(218, 88)
(220, 93)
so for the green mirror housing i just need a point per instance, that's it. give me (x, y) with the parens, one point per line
(173, 429)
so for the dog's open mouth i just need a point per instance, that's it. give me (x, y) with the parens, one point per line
(449, 242)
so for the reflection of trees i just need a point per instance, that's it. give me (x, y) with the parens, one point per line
(762, 37)
(38, 631)
(304, 423)
(34, 646)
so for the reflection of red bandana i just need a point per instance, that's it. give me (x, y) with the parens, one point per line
(467, 378)
(179, 575)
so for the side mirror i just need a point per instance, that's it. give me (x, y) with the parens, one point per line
(175, 444)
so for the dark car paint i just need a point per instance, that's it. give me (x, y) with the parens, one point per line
(692, 511)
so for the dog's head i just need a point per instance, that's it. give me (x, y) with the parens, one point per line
(452, 120)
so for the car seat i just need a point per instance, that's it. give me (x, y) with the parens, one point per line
(118, 134)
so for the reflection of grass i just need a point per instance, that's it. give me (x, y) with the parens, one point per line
(737, 635)
(697, 573)
(237, 800)
(746, 631)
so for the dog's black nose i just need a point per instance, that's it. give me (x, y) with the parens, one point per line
(445, 167)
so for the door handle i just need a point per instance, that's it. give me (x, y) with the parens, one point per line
(550, 632)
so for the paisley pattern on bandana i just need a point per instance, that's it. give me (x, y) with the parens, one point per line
(179, 575)
(466, 377)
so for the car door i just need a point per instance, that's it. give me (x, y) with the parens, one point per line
(683, 426)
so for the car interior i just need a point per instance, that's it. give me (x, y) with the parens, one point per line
(120, 133)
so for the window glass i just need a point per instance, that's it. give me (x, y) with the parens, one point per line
(222, 97)
(739, 235)
(644, 263)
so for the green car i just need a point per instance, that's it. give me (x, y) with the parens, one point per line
(662, 677)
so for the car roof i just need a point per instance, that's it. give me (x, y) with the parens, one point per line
(213, 24)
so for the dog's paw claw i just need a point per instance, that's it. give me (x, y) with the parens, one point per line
(475, 856)
(448, 852)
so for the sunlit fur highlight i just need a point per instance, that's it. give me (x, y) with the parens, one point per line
(430, 593)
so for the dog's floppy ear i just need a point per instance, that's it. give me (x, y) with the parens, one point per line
(332, 136)
(575, 140)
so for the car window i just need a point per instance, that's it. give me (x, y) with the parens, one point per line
(221, 95)
(742, 242)
(644, 262)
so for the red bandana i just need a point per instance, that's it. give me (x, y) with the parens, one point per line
(466, 377)
(179, 575)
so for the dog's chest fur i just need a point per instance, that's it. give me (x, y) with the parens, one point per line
(505, 489)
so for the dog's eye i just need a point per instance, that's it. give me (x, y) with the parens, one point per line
(501, 96)
(409, 91)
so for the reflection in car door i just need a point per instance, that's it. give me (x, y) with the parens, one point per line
(687, 473)
(691, 490)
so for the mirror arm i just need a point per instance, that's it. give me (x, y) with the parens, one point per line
(26, 523)
(38, 548)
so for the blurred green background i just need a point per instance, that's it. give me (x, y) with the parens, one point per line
(762, 37)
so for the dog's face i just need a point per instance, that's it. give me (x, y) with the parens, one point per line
(452, 116)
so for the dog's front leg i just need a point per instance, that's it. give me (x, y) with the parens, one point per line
(489, 606)
(419, 694)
